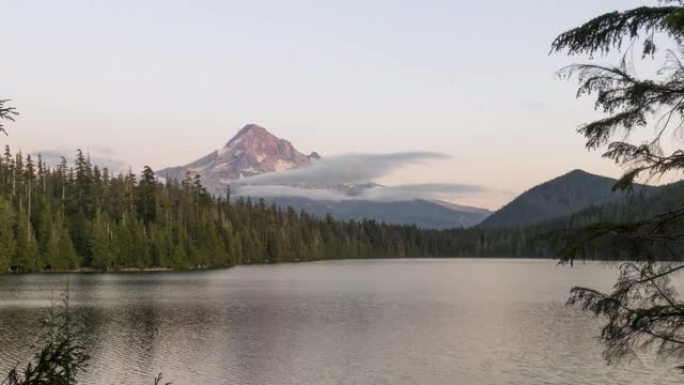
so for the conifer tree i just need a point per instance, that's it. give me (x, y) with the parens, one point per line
(146, 202)
(100, 245)
(8, 244)
(642, 311)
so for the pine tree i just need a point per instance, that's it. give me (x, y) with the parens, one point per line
(146, 202)
(8, 244)
(26, 256)
(100, 245)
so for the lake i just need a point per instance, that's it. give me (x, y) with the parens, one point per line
(458, 321)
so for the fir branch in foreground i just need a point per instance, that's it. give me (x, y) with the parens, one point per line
(610, 30)
(6, 113)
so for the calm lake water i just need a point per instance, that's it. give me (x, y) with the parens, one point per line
(393, 322)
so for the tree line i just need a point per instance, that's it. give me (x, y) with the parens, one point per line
(80, 216)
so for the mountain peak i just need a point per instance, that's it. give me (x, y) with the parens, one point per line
(252, 151)
(577, 171)
(252, 130)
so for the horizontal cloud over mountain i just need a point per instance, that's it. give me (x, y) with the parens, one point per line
(351, 176)
(369, 191)
(353, 168)
(422, 191)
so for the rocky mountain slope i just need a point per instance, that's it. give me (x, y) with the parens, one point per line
(252, 151)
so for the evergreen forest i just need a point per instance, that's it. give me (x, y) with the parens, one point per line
(81, 217)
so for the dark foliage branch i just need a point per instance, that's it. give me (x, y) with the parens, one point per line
(644, 158)
(633, 103)
(642, 311)
(611, 30)
(660, 238)
(62, 356)
(6, 113)
(630, 101)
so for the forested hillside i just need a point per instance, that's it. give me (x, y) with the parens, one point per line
(559, 197)
(536, 240)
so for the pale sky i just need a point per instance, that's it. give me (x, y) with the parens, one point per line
(165, 82)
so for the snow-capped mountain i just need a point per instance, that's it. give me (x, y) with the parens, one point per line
(252, 151)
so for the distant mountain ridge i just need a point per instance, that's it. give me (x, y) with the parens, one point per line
(560, 197)
(427, 214)
(252, 151)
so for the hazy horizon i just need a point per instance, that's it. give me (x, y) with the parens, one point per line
(163, 83)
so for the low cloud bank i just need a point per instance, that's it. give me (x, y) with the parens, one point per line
(444, 191)
(349, 176)
(343, 169)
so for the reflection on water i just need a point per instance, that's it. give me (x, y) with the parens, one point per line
(347, 322)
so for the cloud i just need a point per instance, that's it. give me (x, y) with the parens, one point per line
(274, 191)
(343, 169)
(424, 191)
(445, 191)
(53, 157)
(350, 176)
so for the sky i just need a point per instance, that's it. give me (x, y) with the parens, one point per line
(161, 83)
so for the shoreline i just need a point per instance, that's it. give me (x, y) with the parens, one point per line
(137, 270)
(89, 270)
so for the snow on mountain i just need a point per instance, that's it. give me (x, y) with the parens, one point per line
(252, 151)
